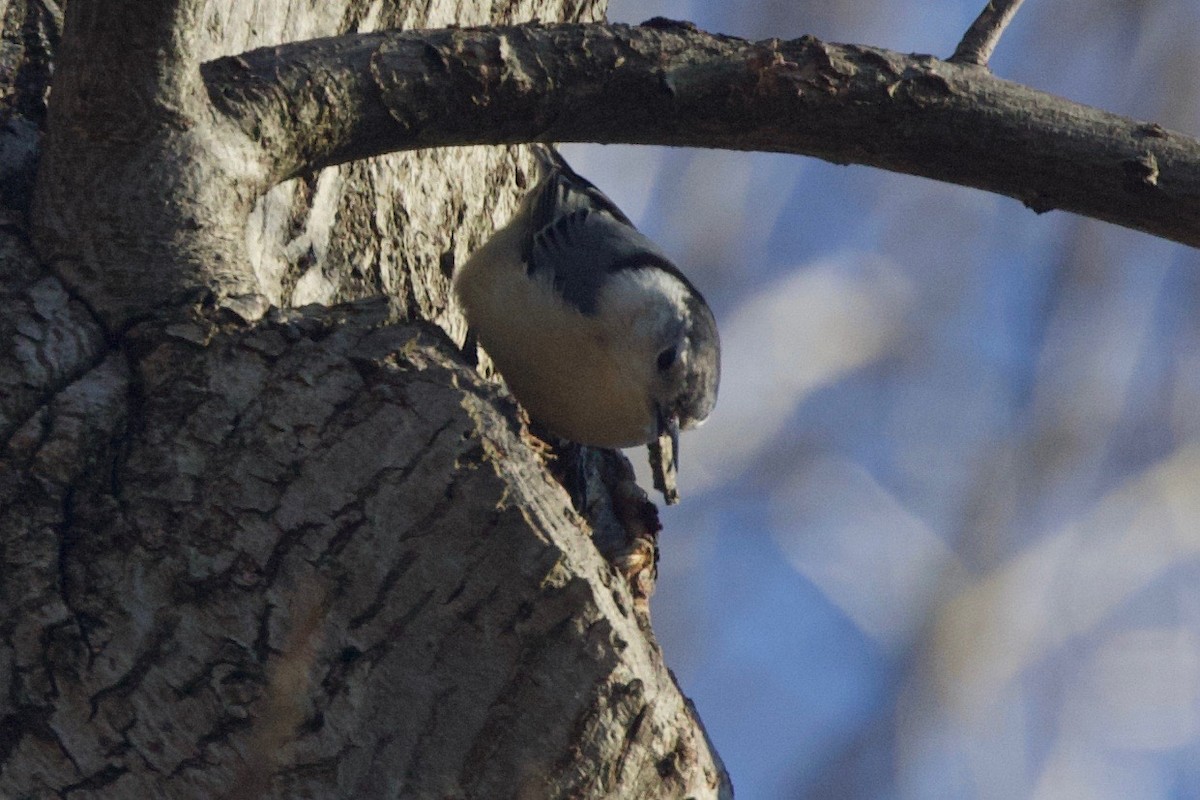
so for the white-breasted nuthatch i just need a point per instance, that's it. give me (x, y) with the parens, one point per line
(596, 332)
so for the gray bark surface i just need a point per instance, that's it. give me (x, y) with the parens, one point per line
(316, 557)
(395, 224)
(668, 83)
(248, 550)
(260, 536)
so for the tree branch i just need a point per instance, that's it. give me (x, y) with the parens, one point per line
(981, 38)
(140, 42)
(324, 102)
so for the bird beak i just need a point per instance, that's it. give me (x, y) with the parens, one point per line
(668, 426)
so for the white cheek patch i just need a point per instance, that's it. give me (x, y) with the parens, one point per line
(647, 300)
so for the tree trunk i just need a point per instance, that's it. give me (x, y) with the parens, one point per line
(253, 547)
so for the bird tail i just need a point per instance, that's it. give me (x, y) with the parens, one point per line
(549, 159)
(568, 188)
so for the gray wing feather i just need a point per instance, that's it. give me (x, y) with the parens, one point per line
(565, 190)
(578, 252)
(578, 236)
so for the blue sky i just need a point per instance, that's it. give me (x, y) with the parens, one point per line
(941, 537)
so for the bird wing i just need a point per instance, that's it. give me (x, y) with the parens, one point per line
(565, 190)
(578, 236)
(578, 252)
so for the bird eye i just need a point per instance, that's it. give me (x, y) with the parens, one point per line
(666, 358)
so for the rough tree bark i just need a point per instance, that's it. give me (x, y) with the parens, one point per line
(251, 552)
(262, 535)
(668, 83)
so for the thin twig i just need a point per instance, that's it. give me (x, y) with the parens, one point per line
(981, 38)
